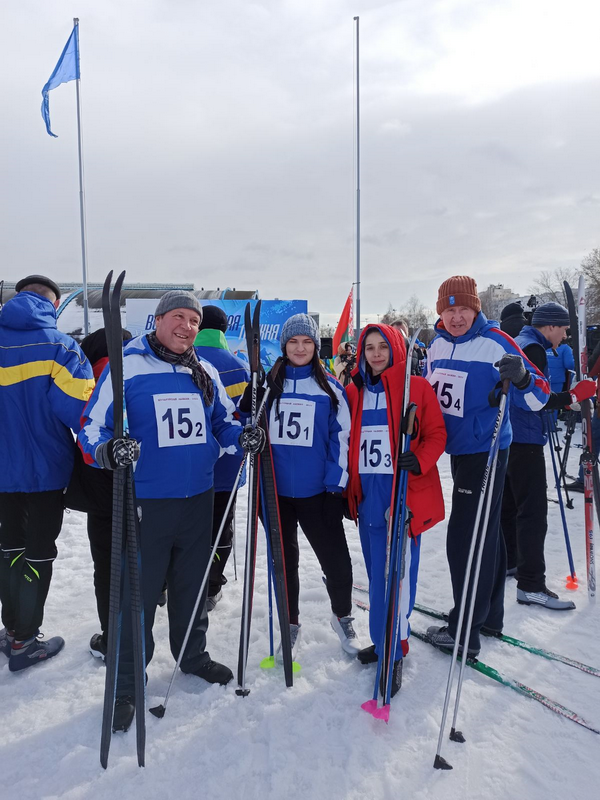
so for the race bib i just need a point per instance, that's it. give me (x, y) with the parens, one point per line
(180, 419)
(374, 455)
(449, 386)
(293, 423)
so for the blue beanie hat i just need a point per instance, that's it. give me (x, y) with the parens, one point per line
(299, 325)
(550, 314)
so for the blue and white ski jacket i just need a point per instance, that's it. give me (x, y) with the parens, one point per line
(211, 345)
(462, 373)
(309, 439)
(530, 427)
(180, 438)
(45, 382)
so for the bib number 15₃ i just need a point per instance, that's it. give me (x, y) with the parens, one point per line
(449, 386)
(374, 456)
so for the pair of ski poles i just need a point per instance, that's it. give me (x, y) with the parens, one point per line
(553, 436)
(159, 711)
(483, 510)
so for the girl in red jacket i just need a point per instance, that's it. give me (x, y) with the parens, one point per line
(375, 398)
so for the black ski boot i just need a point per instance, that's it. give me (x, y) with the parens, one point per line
(124, 713)
(98, 646)
(213, 672)
(368, 655)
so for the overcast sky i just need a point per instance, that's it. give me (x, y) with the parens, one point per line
(219, 143)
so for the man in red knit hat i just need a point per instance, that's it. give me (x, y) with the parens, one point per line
(468, 360)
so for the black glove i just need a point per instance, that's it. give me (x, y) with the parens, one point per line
(512, 369)
(245, 404)
(410, 462)
(253, 439)
(117, 453)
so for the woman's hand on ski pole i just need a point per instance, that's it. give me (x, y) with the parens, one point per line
(409, 462)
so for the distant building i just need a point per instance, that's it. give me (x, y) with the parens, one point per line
(495, 298)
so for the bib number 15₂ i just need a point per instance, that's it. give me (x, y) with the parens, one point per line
(180, 419)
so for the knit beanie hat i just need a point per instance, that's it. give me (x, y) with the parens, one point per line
(459, 290)
(213, 318)
(551, 314)
(41, 279)
(299, 325)
(511, 310)
(178, 298)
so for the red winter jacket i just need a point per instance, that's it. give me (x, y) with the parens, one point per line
(424, 496)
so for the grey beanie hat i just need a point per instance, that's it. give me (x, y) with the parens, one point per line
(300, 325)
(178, 298)
(550, 314)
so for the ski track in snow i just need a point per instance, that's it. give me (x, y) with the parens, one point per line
(312, 741)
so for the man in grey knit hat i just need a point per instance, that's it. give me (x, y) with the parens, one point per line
(525, 504)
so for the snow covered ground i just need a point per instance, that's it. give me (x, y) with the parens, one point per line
(311, 741)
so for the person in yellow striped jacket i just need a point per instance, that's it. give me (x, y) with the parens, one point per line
(45, 382)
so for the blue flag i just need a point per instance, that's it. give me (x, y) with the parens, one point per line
(66, 70)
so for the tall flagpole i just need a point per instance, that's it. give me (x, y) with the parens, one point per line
(357, 189)
(86, 324)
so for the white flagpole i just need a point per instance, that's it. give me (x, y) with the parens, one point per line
(357, 189)
(86, 324)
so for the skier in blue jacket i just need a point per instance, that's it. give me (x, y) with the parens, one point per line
(179, 419)
(211, 345)
(468, 359)
(45, 382)
(309, 428)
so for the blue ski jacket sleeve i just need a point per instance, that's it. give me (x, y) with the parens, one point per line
(180, 437)
(309, 437)
(45, 382)
(462, 373)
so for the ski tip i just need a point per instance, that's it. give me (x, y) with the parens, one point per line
(457, 736)
(572, 583)
(158, 711)
(268, 662)
(296, 667)
(242, 692)
(441, 763)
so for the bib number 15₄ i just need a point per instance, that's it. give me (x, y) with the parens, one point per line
(449, 386)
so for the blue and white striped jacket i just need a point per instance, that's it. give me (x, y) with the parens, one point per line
(461, 371)
(309, 439)
(180, 438)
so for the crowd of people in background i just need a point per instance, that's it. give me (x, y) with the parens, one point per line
(188, 406)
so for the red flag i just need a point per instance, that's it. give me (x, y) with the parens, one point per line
(345, 329)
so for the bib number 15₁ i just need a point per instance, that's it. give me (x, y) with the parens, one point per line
(449, 386)
(292, 423)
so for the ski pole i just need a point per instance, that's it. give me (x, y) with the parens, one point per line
(159, 711)
(572, 579)
(554, 442)
(270, 660)
(489, 471)
(233, 547)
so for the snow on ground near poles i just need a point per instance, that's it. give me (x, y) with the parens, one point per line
(312, 741)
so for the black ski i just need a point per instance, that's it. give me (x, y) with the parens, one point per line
(273, 532)
(124, 540)
(252, 325)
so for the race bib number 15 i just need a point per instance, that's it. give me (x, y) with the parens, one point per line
(180, 419)
(374, 456)
(449, 386)
(292, 422)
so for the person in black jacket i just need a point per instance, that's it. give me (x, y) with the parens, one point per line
(512, 319)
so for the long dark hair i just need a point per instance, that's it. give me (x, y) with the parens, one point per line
(277, 375)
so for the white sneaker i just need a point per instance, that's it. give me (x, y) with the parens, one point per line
(294, 638)
(343, 627)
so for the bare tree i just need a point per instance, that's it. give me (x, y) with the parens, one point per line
(590, 266)
(549, 286)
(326, 331)
(390, 315)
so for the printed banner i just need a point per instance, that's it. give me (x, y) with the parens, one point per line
(139, 314)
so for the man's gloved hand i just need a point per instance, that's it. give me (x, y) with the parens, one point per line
(253, 439)
(409, 462)
(583, 390)
(512, 369)
(117, 453)
(245, 404)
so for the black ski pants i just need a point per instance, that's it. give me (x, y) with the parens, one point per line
(216, 578)
(467, 472)
(525, 515)
(30, 523)
(320, 518)
(175, 538)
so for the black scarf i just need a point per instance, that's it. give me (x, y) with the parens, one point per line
(188, 359)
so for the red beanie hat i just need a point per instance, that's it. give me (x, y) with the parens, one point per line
(460, 290)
